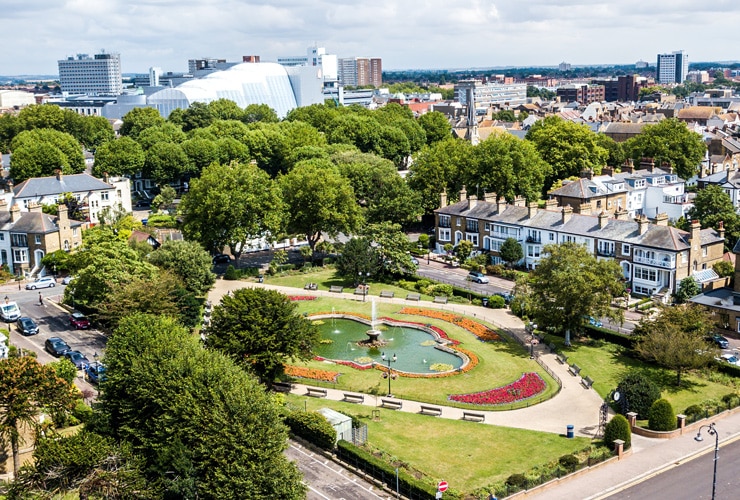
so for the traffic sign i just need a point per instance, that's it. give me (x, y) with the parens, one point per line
(442, 486)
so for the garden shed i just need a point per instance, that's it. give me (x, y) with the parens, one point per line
(341, 423)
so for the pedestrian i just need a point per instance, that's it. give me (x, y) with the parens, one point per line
(19, 285)
(41, 300)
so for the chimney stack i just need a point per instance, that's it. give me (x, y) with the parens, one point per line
(472, 201)
(721, 229)
(106, 177)
(551, 204)
(585, 208)
(489, 197)
(35, 207)
(587, 173)
(642, 224)
(629, 166)
(532, 209)
(15, 213)
(661, 219)
(501, 202)
(607, 171)
(463, 194)
(567, 213)
(519, 201)
(621, 214)
(443, 199)
(603, 219)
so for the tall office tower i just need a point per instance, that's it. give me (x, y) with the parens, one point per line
(361, 71)
(98, 75)
(672, 68)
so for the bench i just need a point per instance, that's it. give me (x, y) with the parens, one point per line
(282, 386)
(430, 410)
(336, 289)
(390, 404)
(587, 382)
(574, 370)
(475, 417)
(311, 286)
(316, 393)
(387, 294)
(562, 358)
(360, 290)
(414, 296)
(354, 398)
(440, 299)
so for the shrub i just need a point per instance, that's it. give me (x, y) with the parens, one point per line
(232, 273)
(731, 400)
(640, 393)
(618, 428)
(569, 462)
(82, 412)
(662, 416)
(496, 302)
(313, 427)
(694, 412)
(495, 269)
(440, 289)
(517, 481)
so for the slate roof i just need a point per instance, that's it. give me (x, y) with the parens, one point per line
(48, 186)
(623, 128)
(724, 298)
(33, 222)
(627, 231)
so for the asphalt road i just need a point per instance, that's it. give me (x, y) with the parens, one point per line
(458, 277)
(692, 479)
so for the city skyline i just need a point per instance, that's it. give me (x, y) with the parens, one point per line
(436, 34)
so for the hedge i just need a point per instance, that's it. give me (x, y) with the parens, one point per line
(313, 427)
(661, 416)
(600, 333)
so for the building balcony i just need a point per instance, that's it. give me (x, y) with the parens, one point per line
(665, 263)
(533, 239)
(677, 200)
(444, 224)
(503, 236)
(603, 252)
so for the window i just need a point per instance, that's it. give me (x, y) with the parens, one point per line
(37, 239)
(625, 249)
(459, 222)
(471, 226)
(552, 236)
(533, 251)
(66, 245)
(645, 274)
(20, 255)
(104, 196)
(472, 238)
(444, 221)
(2, 236)
(703, 251)
(444, 235)
(74, 231)
(598, 203)
(18, 240)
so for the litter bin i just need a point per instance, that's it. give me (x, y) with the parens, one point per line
(261, 278)
(485, 301)
(569, 434)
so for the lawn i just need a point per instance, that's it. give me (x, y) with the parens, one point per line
(467, 455)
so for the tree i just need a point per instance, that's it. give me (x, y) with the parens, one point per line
(511, 251)
(569, 270)
(669, 141)
(230, 205)
(713, 206)
(639, 392)
(96, 131)
(463, 250)
(166, 132)
(438, 168)
(618, 428)
(187, 260)
(724, 269)
(225, 109)
(436, 127)
(202, 425)
(390, 244)
(319, 201)
(677, 339)
(197, 115)
(138, 120)
(165, 199)
(122, 156)
(358, 258)
(686, 289)
(261, 330)
(319, 116)
(259, 113)
(165, 162)
(39, 152)
(201, 153)
(661, 416)
(567, 147)
(358, 130)
(26, 389)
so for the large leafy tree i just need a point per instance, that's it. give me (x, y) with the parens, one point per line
(26, 389)
(259, 113)
(677, 338)
(261, 330)
(204, 427)
(225, 109)
(230, 205)
(358, 259)
(166, 162)
(319, 200)
(511, 251)
(438, 168)
(713, 205)
(39, 152)
(139, 119)
(567, 147)
(95, 131)
(568, 286)
(123, 156)
(436, 127)
(668, 141)
(319, 116)
(389, 245)
(200, 153)
(189, 261)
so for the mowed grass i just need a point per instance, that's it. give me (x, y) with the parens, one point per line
(499, 363)
(468, 455)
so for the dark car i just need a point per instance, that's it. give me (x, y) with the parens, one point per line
(77, 358)
(95, 372)
(27, 326)
(721, 341)
(79, 321)
(506, 296)
(56, 346)
(143, 204)
(221, 258)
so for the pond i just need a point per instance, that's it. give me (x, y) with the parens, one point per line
(414, 348)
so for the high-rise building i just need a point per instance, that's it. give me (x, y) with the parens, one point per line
(97, 75)
(361, 71)
(672, 68)
(315, 56)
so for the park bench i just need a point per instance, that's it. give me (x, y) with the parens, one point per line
(336, 289)
(587, 382)
(562, 358)
(354, 398)
(574, 369)
(390, 404)
(315, 392)
(311, 286)
(413, 296)
(282, 386)
(387, 294)
(361, 290)
(440, 299)
(430, 410)
(475, 417)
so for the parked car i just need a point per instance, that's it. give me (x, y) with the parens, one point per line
(415, 261)
(595, 322)
(143, 204)
(67, 280)
(79, 321)
(45, 282)
(721, 341)
(27, 326)
(77, 358)
(730, 358)
(506, 296)
(10, 311)
(477, 277)
(56, 346)
(95, 372)
(221, 258)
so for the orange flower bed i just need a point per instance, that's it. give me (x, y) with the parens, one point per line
(357, 315)
(481, 331)
(312, 373)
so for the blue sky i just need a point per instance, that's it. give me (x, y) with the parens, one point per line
(405, 34)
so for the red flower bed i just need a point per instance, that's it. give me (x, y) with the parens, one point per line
(301, 297)
(480, 331)
(529, 385)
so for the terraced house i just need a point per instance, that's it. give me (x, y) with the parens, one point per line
(654, 257)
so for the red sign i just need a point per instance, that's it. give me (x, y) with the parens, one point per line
(442, 486)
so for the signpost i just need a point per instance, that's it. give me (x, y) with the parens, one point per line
(441, 487)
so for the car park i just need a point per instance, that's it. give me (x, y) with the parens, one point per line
(79, 321)
(77, 358)
(45, 282)
(27, 326)
(477, 277)
(221, 258)
(95, 372)
(721, 341)
(56, 346)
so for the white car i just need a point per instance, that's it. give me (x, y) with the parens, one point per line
(477, 277)
(45, 282)
(67, 280)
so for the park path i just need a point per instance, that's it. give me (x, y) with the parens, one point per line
(574, 405)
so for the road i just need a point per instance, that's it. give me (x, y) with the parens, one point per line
(444, 273)
(692, 479)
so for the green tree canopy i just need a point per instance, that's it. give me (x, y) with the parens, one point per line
(189, 261)
(39, 152)
(319, 116)
(511, 251)
(122, 156)
(438, 168)
(712, 206)
(686, 289)
(436, 127)
(358, 259)
(166, 162)
(390, 244)
(259, 113)
(140, 119)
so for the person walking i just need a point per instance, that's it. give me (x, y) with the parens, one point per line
(41, 300)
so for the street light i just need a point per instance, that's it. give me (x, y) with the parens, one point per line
(389, 374)
(363, 278)
(712, 432)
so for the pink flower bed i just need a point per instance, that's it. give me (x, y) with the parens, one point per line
(529, 385)
(301, 297)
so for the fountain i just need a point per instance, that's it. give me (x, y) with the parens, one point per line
(373, 334)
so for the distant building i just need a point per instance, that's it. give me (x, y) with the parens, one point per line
(564, 66)
(360, 71)
(15, 99)
(623, 88)
(672, 68)
(641, 64)
(98, 75)
(581, 93)
(489, 95)
(317, 57)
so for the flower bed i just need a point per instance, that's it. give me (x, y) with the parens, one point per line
(351, 364)
(312, 373)
(481, 331)
(295, 298)
(529, 385)
(436, 329)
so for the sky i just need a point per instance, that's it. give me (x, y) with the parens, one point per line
(410, 34)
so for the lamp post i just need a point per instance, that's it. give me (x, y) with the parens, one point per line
(388, 360)
(712, 432)
(363, 278)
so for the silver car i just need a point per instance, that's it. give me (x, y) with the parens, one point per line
(45, 282)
